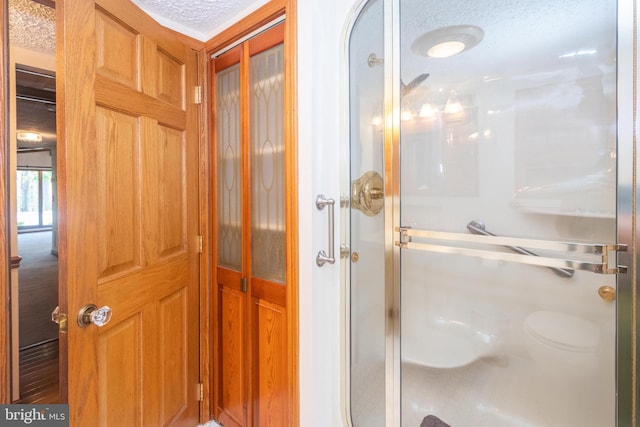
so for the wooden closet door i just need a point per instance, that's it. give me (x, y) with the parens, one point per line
(128, 181)
(231, 311)
(268, 232)
(252, 320)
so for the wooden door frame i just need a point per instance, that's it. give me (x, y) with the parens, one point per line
(5, 326)
(262, 16)
(206, 285)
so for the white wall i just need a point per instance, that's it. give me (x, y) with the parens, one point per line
(322, 25)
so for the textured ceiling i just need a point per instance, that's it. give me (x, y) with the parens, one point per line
(32, 26)
(539, 35)
(200, 19)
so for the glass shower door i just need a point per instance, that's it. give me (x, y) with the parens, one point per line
(366, 218)
(507, 152)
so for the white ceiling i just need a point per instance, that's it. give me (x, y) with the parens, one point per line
(200, 19)
(530, 37)
(32, 25)
(510, 25)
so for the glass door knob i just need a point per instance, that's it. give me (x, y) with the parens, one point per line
(91, 314)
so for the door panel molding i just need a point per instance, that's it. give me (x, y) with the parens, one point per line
(137, 103)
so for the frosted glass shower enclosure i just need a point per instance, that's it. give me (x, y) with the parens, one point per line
(485, 276)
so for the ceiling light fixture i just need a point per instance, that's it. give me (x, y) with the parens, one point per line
(447, 41)
(446, 49)
(29, 137)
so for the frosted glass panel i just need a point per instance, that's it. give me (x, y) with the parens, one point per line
(517, 131)
(367, 234)
(228, 133)
(267, 165)
(504, 121)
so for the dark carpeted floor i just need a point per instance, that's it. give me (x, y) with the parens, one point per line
(38, 288)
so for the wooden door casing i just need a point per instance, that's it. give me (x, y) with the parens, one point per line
(128, 176)
(252, 366)
(4, 231)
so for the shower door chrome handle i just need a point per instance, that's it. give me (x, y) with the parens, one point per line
(323, 257)
(600, 252)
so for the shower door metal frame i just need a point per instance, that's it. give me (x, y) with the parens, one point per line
(391, 11)
(627, 311)
(627, 296)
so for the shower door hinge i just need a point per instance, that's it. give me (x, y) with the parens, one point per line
(345, 201)
(345, 251)
(200, 244)
(197, 95)
(200, 392)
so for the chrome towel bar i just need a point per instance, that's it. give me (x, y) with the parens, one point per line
(523, 256)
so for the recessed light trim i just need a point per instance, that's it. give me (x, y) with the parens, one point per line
(447, 41)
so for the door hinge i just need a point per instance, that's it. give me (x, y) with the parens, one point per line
(200, 243)
(197, 95)
(243, 284)
(200, 392)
